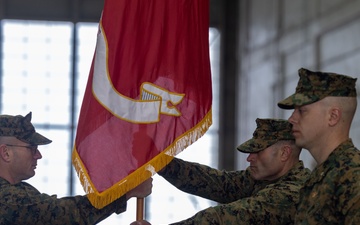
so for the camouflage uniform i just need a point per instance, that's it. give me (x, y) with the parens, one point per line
(243, 199)
(21, 203)
(332, 193)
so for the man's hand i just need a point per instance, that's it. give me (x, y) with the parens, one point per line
(142, 190)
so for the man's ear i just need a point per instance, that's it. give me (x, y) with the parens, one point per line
(285, 152)
(4, 153)
(334, 116)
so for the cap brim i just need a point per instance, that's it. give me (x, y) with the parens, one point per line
(287, 103)
(37, 139)
(253, 146)
(297, 100)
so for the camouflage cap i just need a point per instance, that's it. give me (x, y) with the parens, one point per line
(314, 86)
(21, 128)
(267, 133)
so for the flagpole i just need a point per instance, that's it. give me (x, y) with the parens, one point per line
(139, 209)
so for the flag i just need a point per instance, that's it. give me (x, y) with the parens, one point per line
(148, 94)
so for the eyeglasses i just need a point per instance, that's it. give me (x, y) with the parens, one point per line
(33, 148)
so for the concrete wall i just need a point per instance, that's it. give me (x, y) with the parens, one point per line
(277, 37)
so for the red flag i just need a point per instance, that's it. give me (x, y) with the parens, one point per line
(148, 95)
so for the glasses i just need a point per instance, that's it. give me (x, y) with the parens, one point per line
(33, 148)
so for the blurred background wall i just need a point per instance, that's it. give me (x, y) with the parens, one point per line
(275, 39)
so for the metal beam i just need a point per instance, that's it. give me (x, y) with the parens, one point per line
(228, 80)
(54, 10)
(71, 10)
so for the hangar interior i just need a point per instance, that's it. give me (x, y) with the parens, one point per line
(257, 48)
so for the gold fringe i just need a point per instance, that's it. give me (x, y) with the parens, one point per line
(99, 200)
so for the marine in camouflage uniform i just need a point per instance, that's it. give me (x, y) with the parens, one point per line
(332, 193)
(21, 203)
(244, 199)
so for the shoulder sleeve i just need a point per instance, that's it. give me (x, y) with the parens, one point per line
(23, 204)
(217, 185)
(273, 204)
(349, 196)
(252, 210)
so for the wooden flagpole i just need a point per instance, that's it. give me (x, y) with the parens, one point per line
(139, 209)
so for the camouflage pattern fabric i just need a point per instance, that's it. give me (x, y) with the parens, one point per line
(267, 133)
(23, 204)
(314, 86)
(243, 200)
(21, 128)
(332, 193)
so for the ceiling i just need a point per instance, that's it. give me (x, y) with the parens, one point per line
(71, 10)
